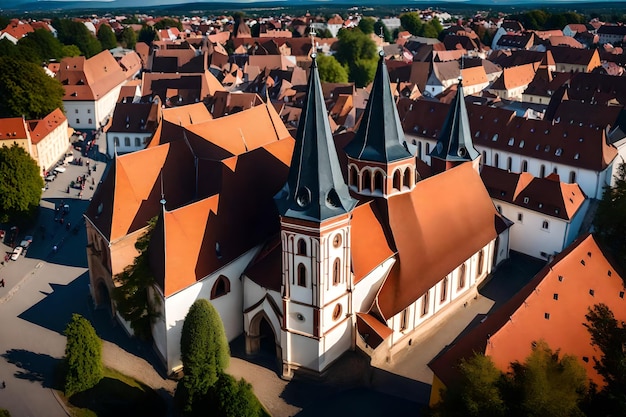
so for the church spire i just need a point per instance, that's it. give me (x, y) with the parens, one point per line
(315, 188)
(454, 144)
(379, 137)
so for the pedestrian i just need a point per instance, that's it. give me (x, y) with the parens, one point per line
(2, 285)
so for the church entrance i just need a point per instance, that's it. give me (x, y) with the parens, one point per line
(261, 341)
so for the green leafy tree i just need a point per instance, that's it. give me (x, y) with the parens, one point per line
(331, 71)
(357, 52)
(476, 393)
(431, 29)
(71, 50)
(43, 45)
(72, 32)
(547, 386)
(366, 24)
(323, 33)
(20, 184)
(232, 398)
(19, 98)
(83, 356)
(107, 37)
(610, 337)
(132, 294)
(386, 34)
(128, 38)
(147, 35)
(412, 22)
(204, 353)
(168, 22)
(610, 218)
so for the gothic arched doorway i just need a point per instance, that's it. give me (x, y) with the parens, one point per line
(261, 340)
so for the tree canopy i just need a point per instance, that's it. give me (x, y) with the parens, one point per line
(386, 34)
(128, 38)
(147, 35)
(107, 37)
(44, 46)
(132, 294)
(168, 22)
(20, 184)
(411, 22)
(357, 52)
(71, 32)
(204, 352)
(610, 218)
(19, 98)
(83, 356)
(366, 24)
(331, 71)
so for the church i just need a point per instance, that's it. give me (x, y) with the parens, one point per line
(311, 246)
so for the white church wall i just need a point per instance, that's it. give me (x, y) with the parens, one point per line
(336, 342)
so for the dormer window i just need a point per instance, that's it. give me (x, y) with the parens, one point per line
(547, 148)
(577, 156)
(495, 137)
(558, 152)
(526, 200)
(521, 143)
(511, 141)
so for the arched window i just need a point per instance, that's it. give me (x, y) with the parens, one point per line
(137, 142)
(354, 177)
(542, 171)
(396, 180)
(366, 181)
(90, 121)
(572, 177)
(220, 288)
(427, 148)
(425, 303)
(481, 259)
(407, 178)
(116, 141)
(524, 166)
(301, 275)
(484, 161)
(444, 290)
(496, 160)
(378, 181)
(336, 271)
(462, 276)
(404, 319)
(419, 149)
(509, 163)
(545, 225)
(301, 247)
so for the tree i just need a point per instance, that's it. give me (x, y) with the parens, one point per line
(610, 337)
(386, 34)
(331, 71)
(234, 398)
(71, 50)
(476, 393)
(366, 24)
(323, 33)
(128, 38)
(546, 385)
(204, 353)
(147, 35)
(610, 218)
(20, 184)
(412, 22)
(357, 52)
(135, 282)
(363, 71)
(70, 32)
(107, 37)
(83, 356)
(19, 98)
(43, 45)
(168, 22)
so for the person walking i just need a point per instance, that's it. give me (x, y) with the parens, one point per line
(2, 282)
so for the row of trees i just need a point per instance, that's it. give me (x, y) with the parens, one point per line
(546, 384)
(413, 23)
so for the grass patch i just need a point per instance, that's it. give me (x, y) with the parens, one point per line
(116, 395)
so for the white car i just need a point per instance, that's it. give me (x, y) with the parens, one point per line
(16, 253)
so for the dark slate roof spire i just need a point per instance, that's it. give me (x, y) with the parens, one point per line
(315, 188)
(455, 140)
(380, 135)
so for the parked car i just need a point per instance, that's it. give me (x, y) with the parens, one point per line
(16, 253)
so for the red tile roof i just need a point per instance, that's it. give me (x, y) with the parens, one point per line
(41, 128)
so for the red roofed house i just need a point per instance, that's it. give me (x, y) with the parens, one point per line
(16, 30)
(551, 307)
(92, 87)
(298, 253)
(546, 212)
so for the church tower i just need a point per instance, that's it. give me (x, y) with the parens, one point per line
(315, 207)
(379, 164)
(455, 145)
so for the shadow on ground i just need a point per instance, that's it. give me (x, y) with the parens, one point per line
(35, 367)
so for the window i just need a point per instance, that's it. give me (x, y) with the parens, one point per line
(555, 170)
(137, 142)
(425, 303)
(545, 225)
(337, 312)
(77, 121)
(511, 141)
(484, 161)
(366, 181)
(495, 137)
(145, 140)
(88, 111)
(220, 288)
(337, 240)
(499, 208)
(572, 177)
(481, 260)
(116, 141)
(76, 111)
(354, 177)
(621, 294)
(496, 160)
(520, 217)
(336, 271)
(444, 290)
(126, 141)
(560, 278)
(404, 319)
(524, 166)
(90, 121)
(378, 181)
(301, 247)
(419, 149)
(546, 316)
(427, 148)
(301, 275)
(509, 163)
(526, 200)
(591, 292)
(542, 171)
(555, 296)
(407, 177)
(462, 277)
(396, 180)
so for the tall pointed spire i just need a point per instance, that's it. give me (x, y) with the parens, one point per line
(380, 136)
(315, 188)
(455, 144)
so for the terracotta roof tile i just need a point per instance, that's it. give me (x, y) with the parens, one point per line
(45, 126)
